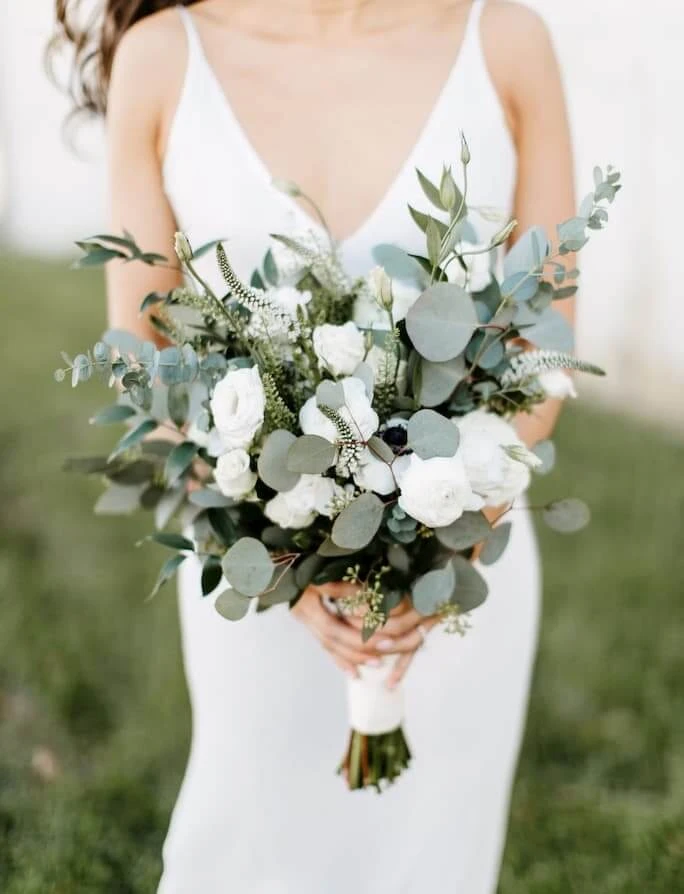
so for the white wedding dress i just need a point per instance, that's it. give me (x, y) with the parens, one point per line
(261, 809)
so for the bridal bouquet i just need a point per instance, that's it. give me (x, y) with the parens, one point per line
(334, 429)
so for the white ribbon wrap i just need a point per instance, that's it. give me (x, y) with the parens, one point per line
(373, 708)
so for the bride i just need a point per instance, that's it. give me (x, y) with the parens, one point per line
(206, 103)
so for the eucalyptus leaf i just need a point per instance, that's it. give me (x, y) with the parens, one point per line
(528, 252)
(358, 523)
(520, 286)
(330, 394)
(364, 372)
(208, 498)
(168, 570)
(179, 460)
(272, 463)
(432, 590)
(310, 455)
(471, 588)
(178, 403)
(283, 588)
(469, 529)
(431, 434)
(567, 516)
(113, 414)
(306, 570)
(330, 550)
(222, 525)
(168, 505)
(398, 264)
(133, 437)
(139, 471)
(119, 499)
(232, 605)
(381, 450)
(247, 566)
(212, 575)
(441, 322)
(552, 332)
(439, 380)
(495, 544)
(172, 541)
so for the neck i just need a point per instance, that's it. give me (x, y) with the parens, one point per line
(315, 17)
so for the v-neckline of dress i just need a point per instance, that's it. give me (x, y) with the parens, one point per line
(262, 168)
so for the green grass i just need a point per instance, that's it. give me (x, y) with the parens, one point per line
(91, 673)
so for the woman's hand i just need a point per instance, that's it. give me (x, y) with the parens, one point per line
(337, 636)
(403, 634)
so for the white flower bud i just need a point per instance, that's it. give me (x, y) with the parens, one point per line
(183, 248)
(382, 286)
(521, 454)
(465, 151)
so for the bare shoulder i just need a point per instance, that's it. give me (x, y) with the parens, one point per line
(148, 67)
(518, 50)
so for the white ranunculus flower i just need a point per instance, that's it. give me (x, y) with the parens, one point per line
(298, 507)
(233, 475)
(556, 383)
(376, 475)
(375, 358)
(492, 472)
(339, 348)
(368, 314)
(436, 492)
(357, 411)
(237, 406)
(479, 268)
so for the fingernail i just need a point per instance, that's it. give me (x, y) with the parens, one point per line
(385, 645)
(374, 662)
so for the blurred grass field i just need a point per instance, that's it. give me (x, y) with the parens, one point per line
(94, 721)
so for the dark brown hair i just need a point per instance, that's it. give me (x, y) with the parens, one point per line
(94, 40)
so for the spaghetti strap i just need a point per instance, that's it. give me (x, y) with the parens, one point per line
(194, 42)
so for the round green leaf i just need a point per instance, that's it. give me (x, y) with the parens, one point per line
(431, 434)
(248, 566)
(310, 455)
(306, 570)
(552, 332)
(330, 550)
(272, 464)
(441, 322)
(232, 605)
(358, 522)
(496, 544)
(283, 588)
(432, 590)
(330, 394)
(439, 380)
(469, 529)
(567, 516)
(471, 588)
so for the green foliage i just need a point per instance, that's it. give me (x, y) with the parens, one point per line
(441, 322)
(359, 522)
(311, 455)
(431, 434)
(599, 802)
(272, 464)
(248, 566)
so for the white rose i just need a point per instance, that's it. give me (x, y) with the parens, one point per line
(339, 348)
(357, 411)
(368, 314)
(376, 475)
(556, 383)
(232, 473)
(492, 473)
(436, 491)
(479, 268)
(238, 406)
(375, 358)
(298, 507)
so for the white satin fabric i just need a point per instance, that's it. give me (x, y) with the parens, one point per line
(261, 810)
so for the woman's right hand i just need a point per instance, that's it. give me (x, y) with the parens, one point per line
(342, 641)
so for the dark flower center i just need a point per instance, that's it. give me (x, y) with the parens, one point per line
(395, 436)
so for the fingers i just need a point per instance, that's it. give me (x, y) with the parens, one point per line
(338, 590)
